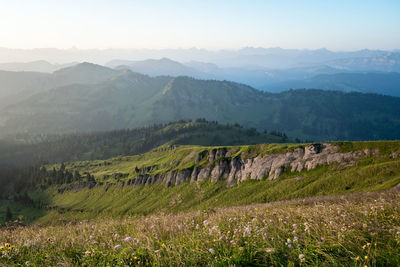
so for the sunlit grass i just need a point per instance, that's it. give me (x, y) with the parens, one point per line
(357, 230)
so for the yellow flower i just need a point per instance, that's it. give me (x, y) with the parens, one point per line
(134, 257)
(357, 258)
(365, 257)
(363, 247)
(368, 244)
(2, 247)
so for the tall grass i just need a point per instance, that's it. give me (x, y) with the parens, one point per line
(356, 230)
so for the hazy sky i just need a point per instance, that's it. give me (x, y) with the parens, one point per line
(212, 24)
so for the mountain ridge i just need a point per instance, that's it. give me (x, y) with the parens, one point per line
(123, 99)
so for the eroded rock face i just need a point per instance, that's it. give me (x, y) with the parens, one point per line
(270, 166)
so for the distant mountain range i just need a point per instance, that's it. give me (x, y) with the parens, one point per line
(386, 83)
(271, 58)
(268, 69)
(158, 67)
(18, 86)
(34, 66)
(99, 98)
(321, 77)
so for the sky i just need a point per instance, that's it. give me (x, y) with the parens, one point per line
(209, 24)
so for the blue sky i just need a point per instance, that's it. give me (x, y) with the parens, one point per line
(211, 24)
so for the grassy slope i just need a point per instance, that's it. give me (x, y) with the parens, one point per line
(352, 230)
(369, 174)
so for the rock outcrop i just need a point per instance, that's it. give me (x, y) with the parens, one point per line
(220, 164)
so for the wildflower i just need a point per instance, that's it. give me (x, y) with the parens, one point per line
(289, 241)
(205, 222)
(212, 251)
(117, 247)
(301, 257)
(128, 239)
(157, 251)
(87, 253)
(27, 263)
(365, 257)
(270, 250)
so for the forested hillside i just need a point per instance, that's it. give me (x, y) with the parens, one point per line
(131, 100)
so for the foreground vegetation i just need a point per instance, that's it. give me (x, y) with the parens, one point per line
(360, 229)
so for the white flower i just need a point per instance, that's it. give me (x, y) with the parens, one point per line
(117, 247)
(128, 239)
(212, 251)
(301, 257)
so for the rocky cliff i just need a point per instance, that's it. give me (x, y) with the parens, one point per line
(228, 164)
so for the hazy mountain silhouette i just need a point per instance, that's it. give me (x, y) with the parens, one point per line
(128, 100)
